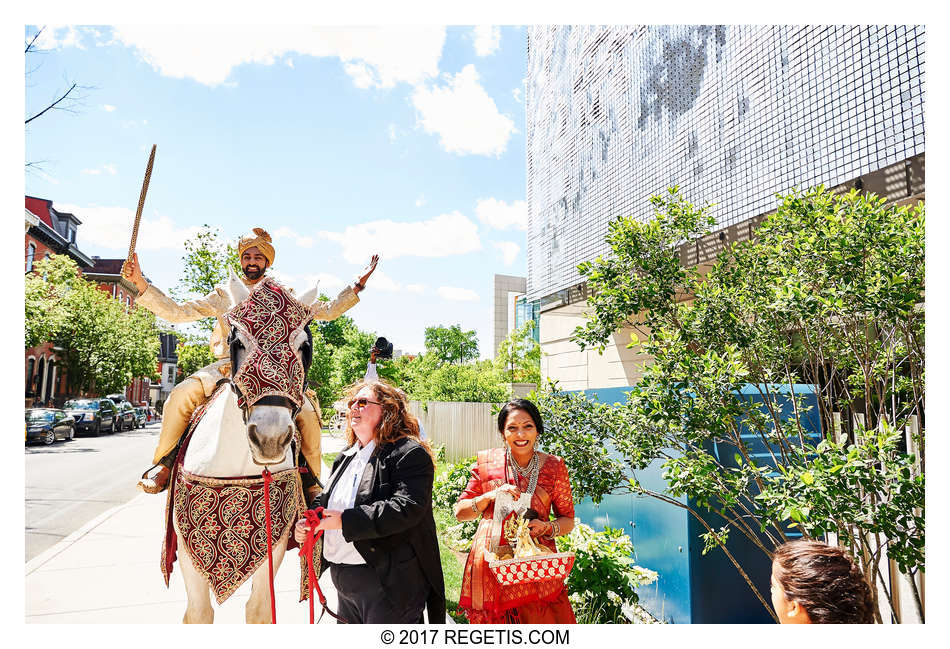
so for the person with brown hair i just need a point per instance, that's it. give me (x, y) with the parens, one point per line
(816, 583)
(517, 467)
(379, 534)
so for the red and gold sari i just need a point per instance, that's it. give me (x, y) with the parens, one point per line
(483, 599)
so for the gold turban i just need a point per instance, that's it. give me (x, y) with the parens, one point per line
(262, 240)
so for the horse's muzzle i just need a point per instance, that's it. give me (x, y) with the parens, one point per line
(268, 449)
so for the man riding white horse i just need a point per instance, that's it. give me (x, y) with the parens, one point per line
(256, 256)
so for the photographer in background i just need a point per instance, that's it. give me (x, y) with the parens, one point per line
(382, 349)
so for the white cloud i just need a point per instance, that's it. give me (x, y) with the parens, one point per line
(382, 282)
(108, 108)
(328, 283)
(456, 294)
(463, 115)
(516, 93)
(111, 228)
(442, 236)
(509, 251)
(374, 56)
(283, 232)
(108, 168)
(502, 216)
(421, 200)
(487, 39)
(58, 36)
(416, 288)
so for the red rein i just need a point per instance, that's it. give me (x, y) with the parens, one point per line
(268, 478)
(313, 521)
(313, 517)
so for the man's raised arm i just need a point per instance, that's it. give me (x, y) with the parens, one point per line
(167, 309)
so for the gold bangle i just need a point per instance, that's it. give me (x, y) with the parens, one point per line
(555, 529)
(475, 508)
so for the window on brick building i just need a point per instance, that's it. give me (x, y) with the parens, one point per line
(30, 366)
(30, 254)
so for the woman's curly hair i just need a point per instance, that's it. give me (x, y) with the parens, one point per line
(397, 422)
(825, 581)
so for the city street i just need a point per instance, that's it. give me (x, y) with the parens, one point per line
(71, 482)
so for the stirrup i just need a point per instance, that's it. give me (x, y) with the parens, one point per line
(151, 487)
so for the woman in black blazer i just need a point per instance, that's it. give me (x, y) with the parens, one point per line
(379, 535)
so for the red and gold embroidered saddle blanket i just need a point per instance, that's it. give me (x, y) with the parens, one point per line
(222, 520)
(223, 526)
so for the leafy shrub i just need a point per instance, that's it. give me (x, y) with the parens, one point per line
(602, 585)
(448, 486)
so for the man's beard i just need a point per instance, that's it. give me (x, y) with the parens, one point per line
(252, 271)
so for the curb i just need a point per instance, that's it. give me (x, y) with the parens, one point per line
(38, 561)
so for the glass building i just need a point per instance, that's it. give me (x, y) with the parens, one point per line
(731, 114)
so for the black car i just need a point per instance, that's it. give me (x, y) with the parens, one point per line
(126, 416)
(93, 415)
(141, 416)
(48, 425)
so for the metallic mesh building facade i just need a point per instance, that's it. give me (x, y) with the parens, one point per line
(731, 114)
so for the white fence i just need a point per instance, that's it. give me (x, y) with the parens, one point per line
(463, 428)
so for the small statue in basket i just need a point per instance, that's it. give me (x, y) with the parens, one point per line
(519, 537)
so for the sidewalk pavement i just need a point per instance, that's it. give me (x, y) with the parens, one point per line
(108, 572)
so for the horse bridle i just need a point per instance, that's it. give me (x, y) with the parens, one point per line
(279, 400)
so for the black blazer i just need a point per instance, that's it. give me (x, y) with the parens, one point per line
(391, 521)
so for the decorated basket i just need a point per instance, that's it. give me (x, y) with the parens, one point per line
(543, 567)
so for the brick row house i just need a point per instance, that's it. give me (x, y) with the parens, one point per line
(50, 231)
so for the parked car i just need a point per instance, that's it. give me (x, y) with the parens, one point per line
(141, 416)
(126, 416)
(49, 424)
(92, 415)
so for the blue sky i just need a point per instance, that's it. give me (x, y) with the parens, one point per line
(339, 141)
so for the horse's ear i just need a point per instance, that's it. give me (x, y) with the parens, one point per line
(311, 296)
(238, 290)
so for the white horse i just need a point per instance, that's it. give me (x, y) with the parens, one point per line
(226, 445)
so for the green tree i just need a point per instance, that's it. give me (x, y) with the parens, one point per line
(100, 346)
(194, 353)
(828, 294)
(320, 374)
(519, 355)
(425, 378)
(341, 352)
(44, 306)
(206, 264)
(451, 344)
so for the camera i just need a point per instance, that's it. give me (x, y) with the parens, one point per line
(384, 348)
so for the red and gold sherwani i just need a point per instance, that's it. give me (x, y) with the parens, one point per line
(482, 598)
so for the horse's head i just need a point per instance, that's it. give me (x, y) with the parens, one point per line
(271, 350)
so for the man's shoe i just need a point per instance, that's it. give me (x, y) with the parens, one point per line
(156, 483)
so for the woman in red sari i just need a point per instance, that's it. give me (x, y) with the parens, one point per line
(515, 468)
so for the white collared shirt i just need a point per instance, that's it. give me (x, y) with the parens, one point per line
(343, 496)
